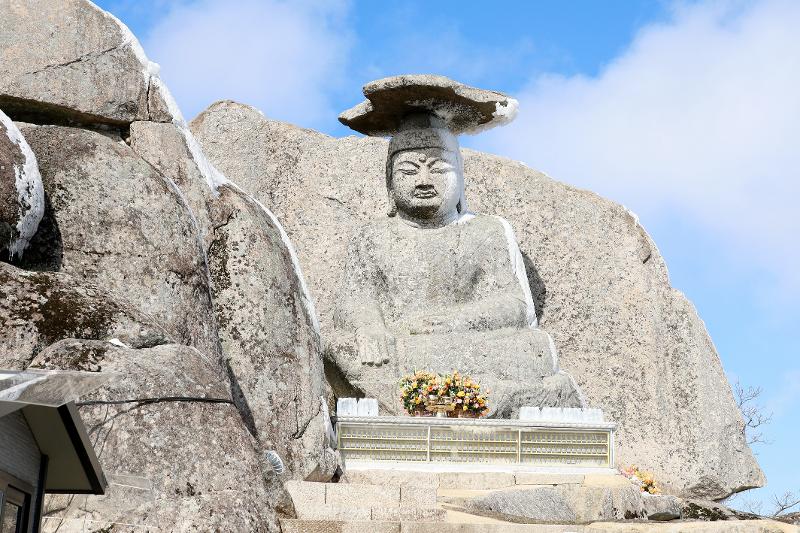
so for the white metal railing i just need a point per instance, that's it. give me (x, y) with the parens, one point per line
(502, 442)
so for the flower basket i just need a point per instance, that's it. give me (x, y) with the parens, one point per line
(452, 395)
(414, 391)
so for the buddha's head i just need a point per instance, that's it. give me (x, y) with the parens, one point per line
(425, 172)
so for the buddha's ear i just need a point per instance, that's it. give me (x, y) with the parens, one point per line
(392, 203)
(461, 207)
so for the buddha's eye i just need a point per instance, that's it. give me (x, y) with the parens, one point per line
(407, 169)
(441, 169)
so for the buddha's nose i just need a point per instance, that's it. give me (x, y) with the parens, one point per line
(423, 176)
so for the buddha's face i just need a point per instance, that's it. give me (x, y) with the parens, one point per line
(426, 184)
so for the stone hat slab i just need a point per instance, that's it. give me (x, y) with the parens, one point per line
(462, 108)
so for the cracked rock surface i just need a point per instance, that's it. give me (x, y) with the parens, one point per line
(71, 59)
(38, 309)
(175, 476)
(112, 219)
(270, 346)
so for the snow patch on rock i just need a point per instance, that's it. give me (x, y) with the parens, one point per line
(518, 264)
(504, 112)
(149, 69)
(30, 192)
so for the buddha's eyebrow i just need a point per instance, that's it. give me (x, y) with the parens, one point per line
(408, 163)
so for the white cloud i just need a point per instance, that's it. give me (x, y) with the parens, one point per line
(698, 118)
(283, 58)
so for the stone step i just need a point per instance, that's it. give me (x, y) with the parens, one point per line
(477, 480)
(341, 526)
(308, 495)
(726, 526)
(391, 514)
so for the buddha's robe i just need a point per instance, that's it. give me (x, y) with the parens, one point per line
(453, 298)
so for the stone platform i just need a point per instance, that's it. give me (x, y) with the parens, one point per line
(405, 501)
(430, 443)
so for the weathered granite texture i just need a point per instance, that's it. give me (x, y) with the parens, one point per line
(661, 507)
(38, 309)
(269, 336)
(203, 481)
(464, 108)
(562, 503)
(126, 229)
(112, 219)
(165, 147)
(70, 61)
(600, 286)
(21, 193)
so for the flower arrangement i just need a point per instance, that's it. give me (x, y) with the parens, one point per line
(462, 393)
(415, 389)
(644, 480)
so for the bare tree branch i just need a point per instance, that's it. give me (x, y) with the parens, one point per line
(785, 502)
(752, 412)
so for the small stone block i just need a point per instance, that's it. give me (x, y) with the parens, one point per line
(661, 507)
(417, 496)
(347, 407)
(395, 514)
(289, 525)
(362, 496)
(333, 512)
(393, 477)
(475, 480)
(531, 478)
(306, 493)
(367, 407)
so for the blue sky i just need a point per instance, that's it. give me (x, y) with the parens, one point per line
(686, 112)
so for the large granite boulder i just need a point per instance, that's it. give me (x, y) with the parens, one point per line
(169, 148)
(21, 192)
(112, 219)
(70, 61)
(38, 309)
(269, 334)
(634, 344)
(562, 503)
(170, 441)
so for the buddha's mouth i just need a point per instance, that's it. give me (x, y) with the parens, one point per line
(424, 191)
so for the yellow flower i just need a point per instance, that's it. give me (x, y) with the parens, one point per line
(460, 394)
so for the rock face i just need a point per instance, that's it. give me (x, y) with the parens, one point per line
(21, 193)
(68, 60)
(209, 481)
(269, 335)
(165, 146)
(563, 503)
(113, 220)
(120, 253)
(600, 286)
(38, 309)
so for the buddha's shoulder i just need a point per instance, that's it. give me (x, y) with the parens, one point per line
(482, 223)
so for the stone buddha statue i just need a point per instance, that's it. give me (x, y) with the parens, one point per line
(433, 286)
